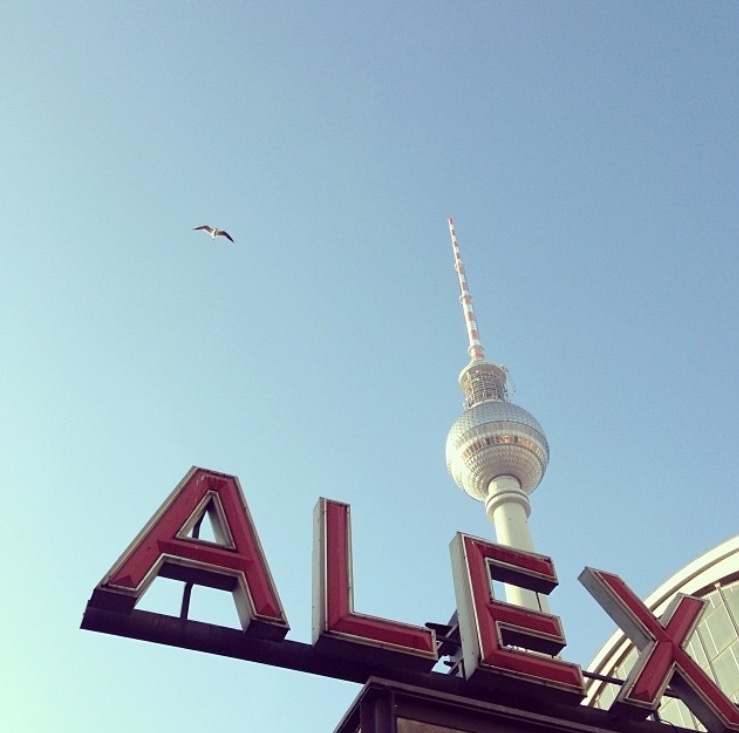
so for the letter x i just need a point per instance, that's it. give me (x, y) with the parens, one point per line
(662, 657)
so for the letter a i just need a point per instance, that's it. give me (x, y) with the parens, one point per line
(234, 562)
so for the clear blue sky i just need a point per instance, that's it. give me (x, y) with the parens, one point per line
(588, 152)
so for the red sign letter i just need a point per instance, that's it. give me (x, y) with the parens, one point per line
(234, 562)
(489, 628)
(662, 656)
(336, 626)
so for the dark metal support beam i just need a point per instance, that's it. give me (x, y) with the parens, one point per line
(506, 702)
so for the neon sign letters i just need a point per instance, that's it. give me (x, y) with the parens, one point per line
(502, 645)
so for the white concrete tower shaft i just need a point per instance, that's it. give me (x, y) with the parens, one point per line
(496, 451)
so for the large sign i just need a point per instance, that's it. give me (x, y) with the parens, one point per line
(498, 646)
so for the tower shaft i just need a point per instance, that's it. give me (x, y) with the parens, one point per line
(508, 508)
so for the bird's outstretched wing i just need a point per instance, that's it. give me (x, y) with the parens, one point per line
(221, 233)
(204, 227)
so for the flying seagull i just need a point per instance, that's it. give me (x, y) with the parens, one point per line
(214, 232)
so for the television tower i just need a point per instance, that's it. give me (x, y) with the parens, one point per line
(496, 451)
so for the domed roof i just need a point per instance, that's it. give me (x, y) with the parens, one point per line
(496, 438)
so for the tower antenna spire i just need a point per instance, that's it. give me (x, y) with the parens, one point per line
(481, 380)
(476, 349)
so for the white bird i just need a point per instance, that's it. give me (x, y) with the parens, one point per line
(213, 231)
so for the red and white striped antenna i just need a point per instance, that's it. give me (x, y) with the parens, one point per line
(476, 349)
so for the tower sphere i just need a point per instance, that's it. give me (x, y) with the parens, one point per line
(496, 438)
